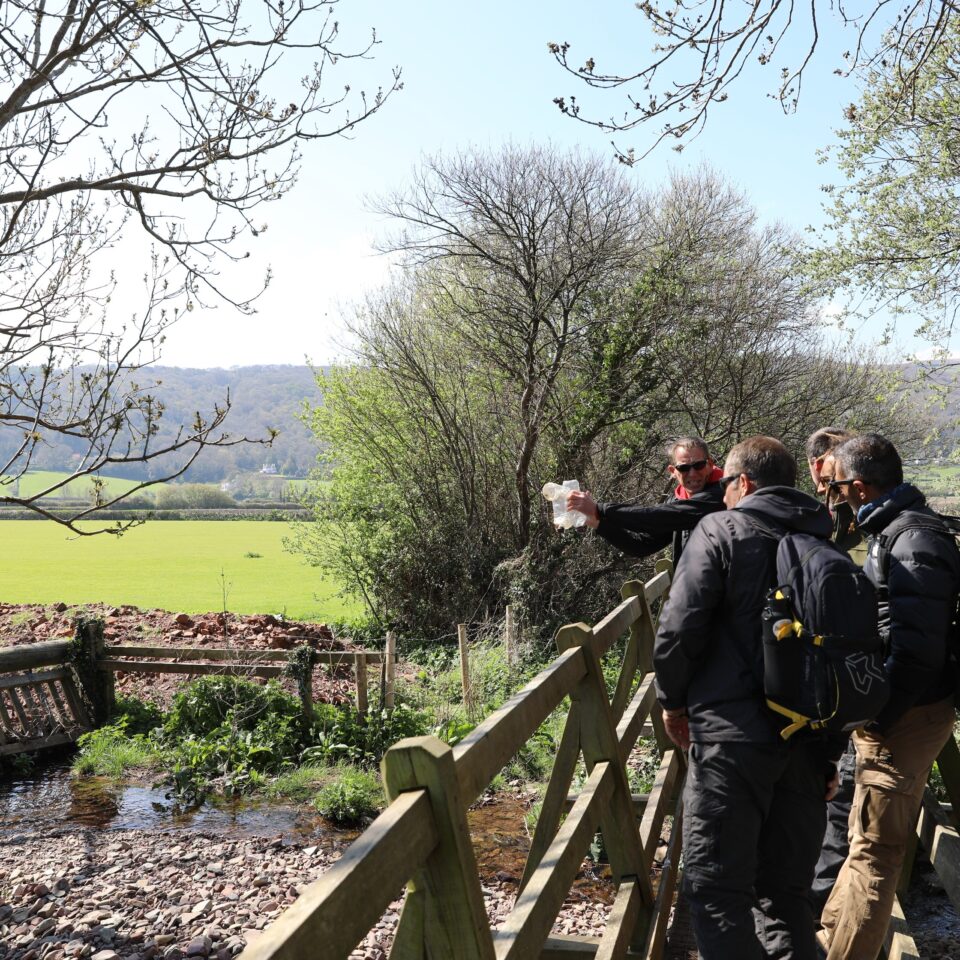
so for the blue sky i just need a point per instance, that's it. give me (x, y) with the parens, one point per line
(481, 74)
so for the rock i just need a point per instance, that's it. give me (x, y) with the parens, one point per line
(183, 620)
(200, 947)
(262, 880)
(106, 955)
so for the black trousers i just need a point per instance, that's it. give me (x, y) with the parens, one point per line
(753, 820)
(836, 843)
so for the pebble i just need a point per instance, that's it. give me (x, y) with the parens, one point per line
(101, 908)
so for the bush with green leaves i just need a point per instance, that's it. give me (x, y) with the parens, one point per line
(351, 798)
(232, 733)
(345, 735)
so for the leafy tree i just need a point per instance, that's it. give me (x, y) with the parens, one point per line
(893, 233)
(162, 126)
(702, 49)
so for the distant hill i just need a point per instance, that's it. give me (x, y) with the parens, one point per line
(261, 397)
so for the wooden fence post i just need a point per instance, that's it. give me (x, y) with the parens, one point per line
(446, 916)
(97, 680)
(391, 668)
(360, 662)
(509, 637)
(465, 669)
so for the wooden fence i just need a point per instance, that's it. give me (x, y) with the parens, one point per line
(422, 839)
(55, 706)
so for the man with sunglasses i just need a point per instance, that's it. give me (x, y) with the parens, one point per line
(913, 560)
(833, 852)
(753, 804)
(640, 530)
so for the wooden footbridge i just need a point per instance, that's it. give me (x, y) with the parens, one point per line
(421, 840)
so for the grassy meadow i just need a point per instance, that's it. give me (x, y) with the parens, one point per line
(174, 565)
(37, 480)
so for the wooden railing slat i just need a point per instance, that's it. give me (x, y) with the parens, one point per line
(75, 702)
(621, 922)
(615, 624)
(658, 805)
(356, 890)
(200, 669)
(669, 875)
(481, 755)
(247, 654)
(525, 930)
(554, 802)
(635, 716)
(26, 680)
(66, 719)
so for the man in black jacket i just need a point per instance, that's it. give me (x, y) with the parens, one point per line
(913, 560)
(754, 805)
(644, 530)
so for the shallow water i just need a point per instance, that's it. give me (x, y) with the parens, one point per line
(49, 797)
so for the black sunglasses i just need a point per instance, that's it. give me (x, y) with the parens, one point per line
(726, 481)
(833, 484)
(687, 467)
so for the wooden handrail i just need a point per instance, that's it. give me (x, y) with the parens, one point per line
(356, 890)
(615, 624)
(237, 653)
(482, 754)
(29, 655)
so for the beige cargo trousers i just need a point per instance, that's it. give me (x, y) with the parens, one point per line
(892, 771)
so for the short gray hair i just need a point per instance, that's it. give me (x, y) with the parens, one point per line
(696, 443)
(872, 459)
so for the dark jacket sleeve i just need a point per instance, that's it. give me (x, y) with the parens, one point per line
(683, 634)
(923, 577)
(644, 530)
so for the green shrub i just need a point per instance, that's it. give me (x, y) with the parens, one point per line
(208, 703)
(351, 798)
(344, 735)
(231, 733)
(137, 716)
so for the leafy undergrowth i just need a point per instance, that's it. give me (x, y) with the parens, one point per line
(233, 736)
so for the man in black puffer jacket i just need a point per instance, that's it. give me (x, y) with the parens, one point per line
(913, 561)
(754, 805)
(641, 530)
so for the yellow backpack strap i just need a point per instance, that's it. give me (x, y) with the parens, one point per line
(799, 720)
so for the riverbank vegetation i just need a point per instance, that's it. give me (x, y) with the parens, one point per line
(231, 736)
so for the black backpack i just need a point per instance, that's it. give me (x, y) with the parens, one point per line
(823, 662)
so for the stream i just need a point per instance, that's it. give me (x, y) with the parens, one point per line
(49, 798)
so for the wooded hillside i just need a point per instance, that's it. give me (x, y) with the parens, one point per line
(262, 397)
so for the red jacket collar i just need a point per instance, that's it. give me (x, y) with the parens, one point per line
(681, 491)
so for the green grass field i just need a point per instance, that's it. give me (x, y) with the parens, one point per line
(37, 480)
(174, 565)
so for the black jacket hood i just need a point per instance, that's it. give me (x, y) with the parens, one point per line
(790, 508)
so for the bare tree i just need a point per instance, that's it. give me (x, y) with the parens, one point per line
(160, 126)
(709, 45)
(518, 242)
